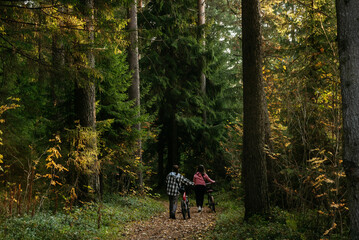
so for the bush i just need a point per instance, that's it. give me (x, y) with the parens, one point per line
(280, 225)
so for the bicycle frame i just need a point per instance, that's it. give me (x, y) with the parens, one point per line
(185, 206)
(184, 196)
(211, 203)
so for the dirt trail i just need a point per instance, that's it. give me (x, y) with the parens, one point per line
(161, 227)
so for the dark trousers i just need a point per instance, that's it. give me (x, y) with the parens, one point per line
(199, 190)
(173, 205)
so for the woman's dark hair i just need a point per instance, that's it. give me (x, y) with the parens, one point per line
(200, 169)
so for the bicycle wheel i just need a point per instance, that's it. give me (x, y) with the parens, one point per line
(183, 209)
(188, 210)
(212, 204)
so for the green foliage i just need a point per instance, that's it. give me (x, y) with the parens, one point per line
(303, 93)
(171, 80)
(281, 224)
(43, 53)
(82, 223)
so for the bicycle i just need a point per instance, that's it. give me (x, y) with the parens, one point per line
(185, 205)
(211, 203)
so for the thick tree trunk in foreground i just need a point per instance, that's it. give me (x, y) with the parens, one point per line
(134, 91)
(254, 169)
(348, 29)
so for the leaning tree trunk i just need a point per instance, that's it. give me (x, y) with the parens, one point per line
(134, 91)
(254, 169)
(348, 28)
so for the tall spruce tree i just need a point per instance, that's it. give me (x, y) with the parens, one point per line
(173, 59)
(85, 98)
(254, 170)
(169, 63)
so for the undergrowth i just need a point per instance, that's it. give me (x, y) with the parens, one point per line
(82, 223)
(281, 225)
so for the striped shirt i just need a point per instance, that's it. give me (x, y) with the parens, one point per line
(174, 181)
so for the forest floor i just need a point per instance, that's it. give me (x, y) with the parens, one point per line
(162, 227)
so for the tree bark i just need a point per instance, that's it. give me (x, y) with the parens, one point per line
(134, 91)
(172, 140)
(160, 168)
(85, 99)
(348, 28)
(58, 64)
(254, 171)
(201, 22)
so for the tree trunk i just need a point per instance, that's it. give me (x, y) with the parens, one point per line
(348, 28)
(160, 168)
(172, 140)
(58, 64)
(85, 98)
(254, 169)
(41, 69)
(201, 22)
(134, 91)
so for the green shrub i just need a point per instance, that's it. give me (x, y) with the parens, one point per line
(280, 225)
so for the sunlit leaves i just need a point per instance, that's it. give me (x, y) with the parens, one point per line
(302, 86)
(3, 109)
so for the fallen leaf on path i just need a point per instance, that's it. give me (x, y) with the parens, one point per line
(161, 227)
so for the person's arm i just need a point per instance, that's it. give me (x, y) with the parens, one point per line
(186, 181)
(208, 179)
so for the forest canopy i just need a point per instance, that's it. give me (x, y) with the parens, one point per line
(101, 97)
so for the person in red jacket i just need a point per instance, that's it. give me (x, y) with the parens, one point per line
(199, 179)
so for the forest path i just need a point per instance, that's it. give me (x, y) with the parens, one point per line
(162, 227)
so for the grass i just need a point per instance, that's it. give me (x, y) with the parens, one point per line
(281, 224)
(82, 223)
(117, 211)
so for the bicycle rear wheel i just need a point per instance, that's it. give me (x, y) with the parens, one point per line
(188, 210)
(212, 204)
(183, 209)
